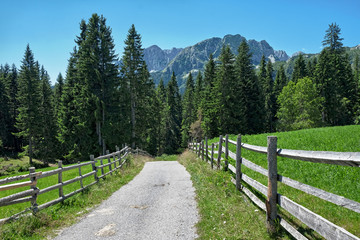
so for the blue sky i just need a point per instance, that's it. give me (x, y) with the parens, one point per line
(50, 27)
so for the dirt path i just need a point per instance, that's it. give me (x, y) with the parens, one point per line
(159, 203)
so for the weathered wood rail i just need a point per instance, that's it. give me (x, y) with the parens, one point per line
(114, 161)
(321, 225)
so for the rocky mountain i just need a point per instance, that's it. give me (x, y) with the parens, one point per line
(162, 63)
(157, 59)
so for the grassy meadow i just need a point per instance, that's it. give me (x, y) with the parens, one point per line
(341, 180)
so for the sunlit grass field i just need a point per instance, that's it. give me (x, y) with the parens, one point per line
(341, 180)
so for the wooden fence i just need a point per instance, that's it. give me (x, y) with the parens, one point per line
(321, 225)
(112, 161)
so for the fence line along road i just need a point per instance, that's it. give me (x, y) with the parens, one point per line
(321, 225)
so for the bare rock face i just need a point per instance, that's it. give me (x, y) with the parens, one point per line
(157, 59)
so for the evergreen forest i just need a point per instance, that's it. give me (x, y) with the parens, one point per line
(106, 100)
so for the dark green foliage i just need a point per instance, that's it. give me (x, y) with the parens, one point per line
(29, 99)
(335, 81)
(198, 92)
(58, 92)
(210, 104)
(172, 118)
(299, 69)
(250, 101)
(332, 38)
(270, 100)
(47, 143)
(229, 87)
(4, 113)
(188, 110)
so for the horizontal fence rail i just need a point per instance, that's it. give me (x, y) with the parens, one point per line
(321, 225)
(111, 161)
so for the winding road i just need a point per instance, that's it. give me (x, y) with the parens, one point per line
(159, 203)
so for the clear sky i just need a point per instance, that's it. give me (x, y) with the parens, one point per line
(50, 26)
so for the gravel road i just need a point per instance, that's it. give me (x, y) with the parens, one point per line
(159, 203)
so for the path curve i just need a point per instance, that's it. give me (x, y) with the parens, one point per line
(159, 203)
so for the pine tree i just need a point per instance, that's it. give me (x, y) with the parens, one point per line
(230, 118)
(58, 92)
(250, 101)
(299, 69)
(47, 144)
(270, 105)
(99, 74)
(173, 117)
(198, 95)
(4, 112)
(210, 103)
(163, 113)
(188, 115)
(335, 81)
(262, 73)
(132, 72)
(29, 101)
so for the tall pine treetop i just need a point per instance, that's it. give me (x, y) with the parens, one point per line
(332, 38)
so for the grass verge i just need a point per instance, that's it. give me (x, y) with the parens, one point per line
(225, 213)
(51, 220)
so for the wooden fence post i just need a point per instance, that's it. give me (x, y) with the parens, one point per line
(206, 149)
(238, 162)
(199, 152)
(61, 191)
(81, 181)
(119, 155)
(196, 147)
(92, 159)
(220, 151)
(203, 150)
(33, 180)
(114, 158)
(271, 201)
(226, 152)
(102, 168)
(109, 161)
(212, 155)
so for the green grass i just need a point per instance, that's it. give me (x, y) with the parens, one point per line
(64, 214)
(11, 166)
(341, 180)
(225, 213)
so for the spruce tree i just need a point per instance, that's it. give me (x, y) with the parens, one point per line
(198, 95)
(299, 69)
(188, 109)
(58, 92)
(250, 101)
(132, 72)
(173, 117)
(210, 103)
(230, 118)
(29, 99)
(270, 105)
(262, 73)
(4, 113)
(47, 144)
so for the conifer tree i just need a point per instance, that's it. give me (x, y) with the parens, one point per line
(173, 117)
(58, 92)
(249, 93)
(4, 112)
(163, 113)
(188, 109)
(270, 105)
(262, 73)
(230, 118)
(335, 81)
(299, 69)
(132, 73)
(198, 95)
(47, 142)
(29, 101)
(210, 103)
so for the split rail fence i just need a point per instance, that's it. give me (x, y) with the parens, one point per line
(101, 167)
(321, 225)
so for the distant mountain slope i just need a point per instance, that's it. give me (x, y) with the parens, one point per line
(194, 58)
